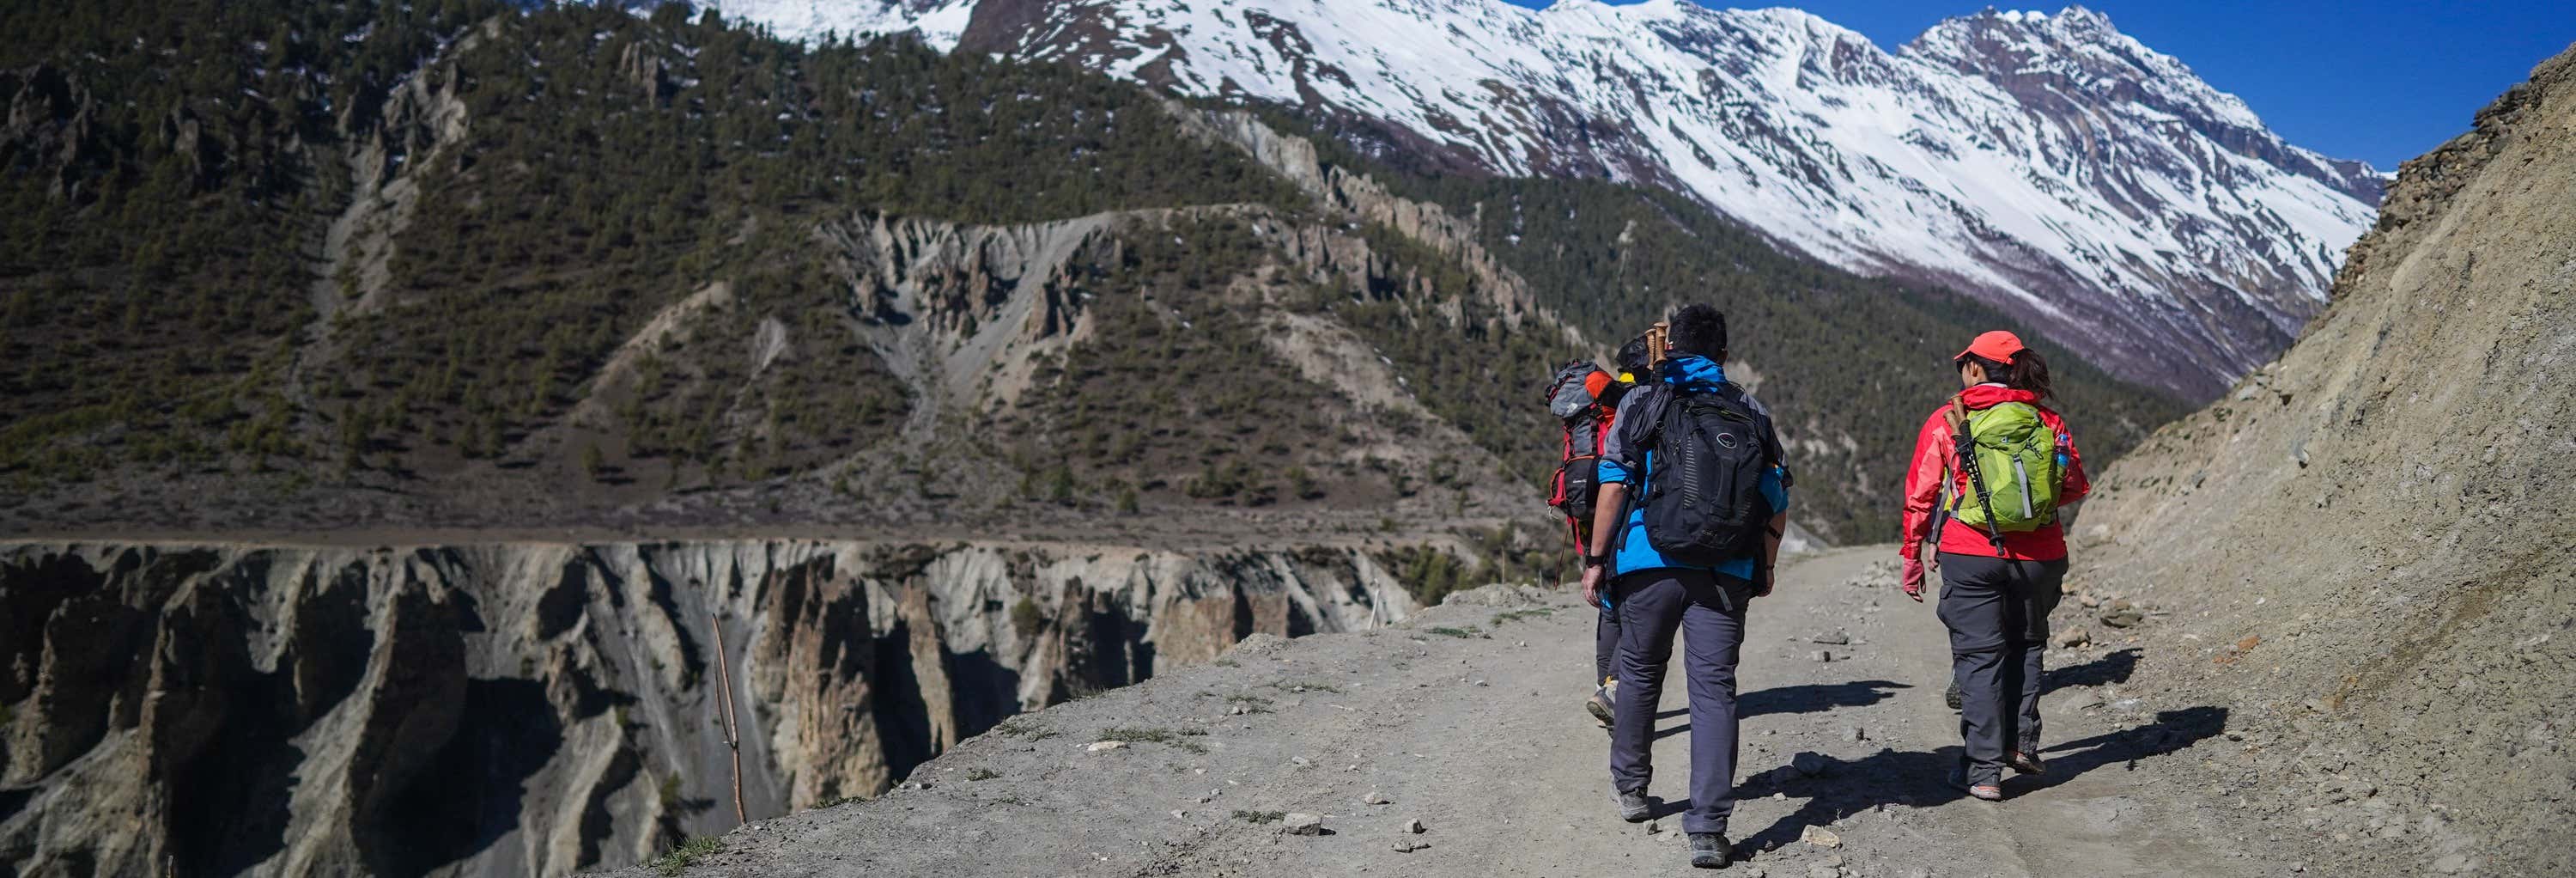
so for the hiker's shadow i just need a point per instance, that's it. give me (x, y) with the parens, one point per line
(1847, 787)
(1814, 697)
(2173, 730)
(2113, 668)
(1807, 698)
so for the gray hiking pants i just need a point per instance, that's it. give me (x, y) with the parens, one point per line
(1997, 613)
(1708, 610)
(1605, 637)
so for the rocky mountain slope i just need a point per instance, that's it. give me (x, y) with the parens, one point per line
(535, 708)
(2369, 539)
(510, 286)
(2049, 163)
(1185, 321)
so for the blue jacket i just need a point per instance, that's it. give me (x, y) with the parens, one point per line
(1633, 466)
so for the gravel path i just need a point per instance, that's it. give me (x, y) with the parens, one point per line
(1469, 723)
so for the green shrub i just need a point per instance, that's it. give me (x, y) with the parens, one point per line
(1428, 573)
(689, 853)
(1026, 617)
(1178, 738)
(1025, 728)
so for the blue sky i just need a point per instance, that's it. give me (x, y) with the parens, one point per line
(2377, 80)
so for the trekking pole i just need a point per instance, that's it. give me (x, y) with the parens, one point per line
(733, 737)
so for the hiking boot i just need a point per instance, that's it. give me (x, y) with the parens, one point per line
(1951, 697)
(1604, 703)
(2025, 763)
(1634, 807)
(1981, 791)
(1709, 850)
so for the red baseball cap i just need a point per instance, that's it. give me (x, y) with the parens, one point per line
(1999, 346)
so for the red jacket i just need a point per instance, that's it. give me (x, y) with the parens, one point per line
(1935, 469)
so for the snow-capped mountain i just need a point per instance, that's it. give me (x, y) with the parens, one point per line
(940, 22)
(2046, 163)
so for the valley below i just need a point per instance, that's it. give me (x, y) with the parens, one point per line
(540, 708)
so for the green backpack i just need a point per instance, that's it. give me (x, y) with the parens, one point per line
(2013, 470)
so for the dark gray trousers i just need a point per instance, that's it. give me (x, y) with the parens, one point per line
(1605, 637)
(1708, 610)
(1997, 613)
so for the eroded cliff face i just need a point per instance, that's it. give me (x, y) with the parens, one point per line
(535, 708)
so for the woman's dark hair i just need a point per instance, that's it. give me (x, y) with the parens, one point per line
(1632, 356)
(1698, 329)
(2027, 371)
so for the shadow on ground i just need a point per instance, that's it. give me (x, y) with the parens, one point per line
(2113, 668)
(1806, 698)
(1813, 697)
(2173, 730)
(1847, 787)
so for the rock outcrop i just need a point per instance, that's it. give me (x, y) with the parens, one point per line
(532, 708)
(2367, 543)
(1360, 197)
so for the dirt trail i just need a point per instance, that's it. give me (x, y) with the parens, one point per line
(1480, 738)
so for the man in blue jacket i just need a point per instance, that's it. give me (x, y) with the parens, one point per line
(1656, 596)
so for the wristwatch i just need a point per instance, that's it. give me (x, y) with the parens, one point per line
(1590, 561)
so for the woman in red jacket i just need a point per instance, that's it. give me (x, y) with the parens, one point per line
(1997, 586)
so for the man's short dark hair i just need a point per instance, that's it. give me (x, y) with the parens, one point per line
(1698, 329)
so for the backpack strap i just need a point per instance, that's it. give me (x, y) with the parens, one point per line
(1640, 431)
(1966, 444)
(1644, 425)
(1619, 539)
(1770, 434)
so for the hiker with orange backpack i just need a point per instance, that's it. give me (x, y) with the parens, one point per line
(2008, 466)
(1586, 400)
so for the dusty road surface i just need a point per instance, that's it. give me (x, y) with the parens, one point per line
(1467, 721)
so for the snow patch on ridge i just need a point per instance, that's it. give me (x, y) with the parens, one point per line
(940, 22)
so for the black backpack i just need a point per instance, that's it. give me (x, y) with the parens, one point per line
(1704, 502)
